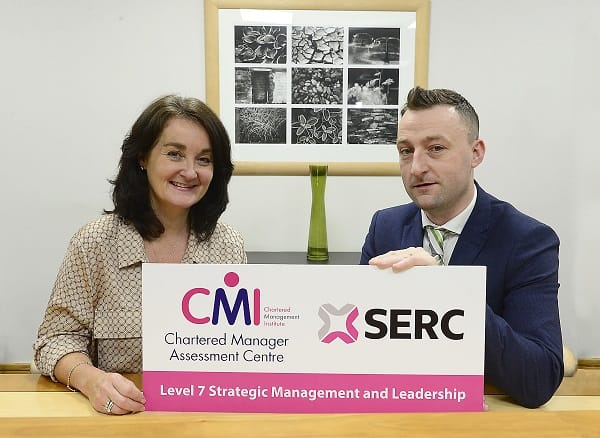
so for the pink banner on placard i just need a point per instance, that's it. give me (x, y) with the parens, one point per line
(310, 393)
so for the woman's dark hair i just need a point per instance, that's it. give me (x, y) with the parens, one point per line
(131, 192)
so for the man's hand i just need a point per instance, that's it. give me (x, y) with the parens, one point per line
(403, 259)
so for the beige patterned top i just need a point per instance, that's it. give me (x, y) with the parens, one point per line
(95, 306)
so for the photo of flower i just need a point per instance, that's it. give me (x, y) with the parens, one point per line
(370, 86)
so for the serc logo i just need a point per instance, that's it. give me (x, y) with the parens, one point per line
(328, 312)
(250, 311)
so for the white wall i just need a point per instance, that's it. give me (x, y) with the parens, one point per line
(75, 74)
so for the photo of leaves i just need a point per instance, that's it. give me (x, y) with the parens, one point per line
(261, 44)
(316, 126)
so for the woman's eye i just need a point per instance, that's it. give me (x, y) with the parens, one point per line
(204, 161)
(174, 154)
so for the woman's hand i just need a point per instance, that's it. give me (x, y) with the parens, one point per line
(102, 388)
(109, 393)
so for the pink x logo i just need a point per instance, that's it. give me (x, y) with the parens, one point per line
(327, 335)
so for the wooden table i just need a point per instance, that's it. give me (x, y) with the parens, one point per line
(557, 424)
(32, 405)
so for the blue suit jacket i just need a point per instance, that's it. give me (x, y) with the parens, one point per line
(523, 342)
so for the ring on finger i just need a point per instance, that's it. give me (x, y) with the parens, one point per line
(108, 406)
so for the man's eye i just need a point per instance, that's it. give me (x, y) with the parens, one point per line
(437, 148)
(404, 152)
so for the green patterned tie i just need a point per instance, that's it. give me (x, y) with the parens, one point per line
(436, 245)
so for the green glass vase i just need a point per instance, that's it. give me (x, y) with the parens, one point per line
(317, 233)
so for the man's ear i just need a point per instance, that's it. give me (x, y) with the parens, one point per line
(478, 149)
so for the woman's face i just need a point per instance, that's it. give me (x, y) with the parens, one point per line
(179, 167)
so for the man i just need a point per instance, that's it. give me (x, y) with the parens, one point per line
(452, 220)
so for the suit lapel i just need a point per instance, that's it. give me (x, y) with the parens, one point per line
(412, 234)
(475, 232)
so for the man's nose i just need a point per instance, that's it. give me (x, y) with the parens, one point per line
(420, 163)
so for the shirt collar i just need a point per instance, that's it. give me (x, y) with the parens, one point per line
(130, 246)
(458, 222)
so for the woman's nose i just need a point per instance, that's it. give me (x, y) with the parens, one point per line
(189, 170)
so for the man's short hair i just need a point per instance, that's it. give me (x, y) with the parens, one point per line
(419, 99)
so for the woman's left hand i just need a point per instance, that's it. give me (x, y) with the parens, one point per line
(111, 393)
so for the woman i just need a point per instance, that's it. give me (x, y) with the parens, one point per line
(168, 195)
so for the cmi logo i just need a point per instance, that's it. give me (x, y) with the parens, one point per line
(329, 312)
(220, 304)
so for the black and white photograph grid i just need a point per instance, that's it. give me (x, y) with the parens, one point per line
(317, 84)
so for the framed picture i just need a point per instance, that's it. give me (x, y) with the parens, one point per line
(314, 81)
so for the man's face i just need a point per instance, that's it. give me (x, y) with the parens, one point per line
(437, 161)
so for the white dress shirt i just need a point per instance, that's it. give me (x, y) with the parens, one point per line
(456, 225)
